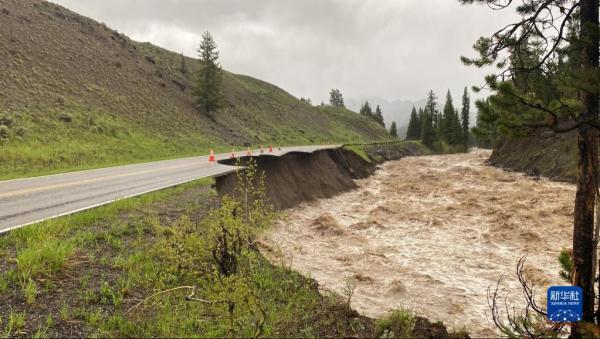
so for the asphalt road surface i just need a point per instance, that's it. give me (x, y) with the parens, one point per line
(31, 200)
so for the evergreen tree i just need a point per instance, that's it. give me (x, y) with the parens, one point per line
(428, 123)
(393, 130)
(306, 101)
(414, 126)
(455, 130)
(427, 132)
(447, 120)
(378, 116)
(539, 88)
(336, 98)
(485, 131)
(210, 78)
(366, 110)
(464, 116)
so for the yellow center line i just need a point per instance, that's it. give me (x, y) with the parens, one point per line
(88, 181)
(94, 180)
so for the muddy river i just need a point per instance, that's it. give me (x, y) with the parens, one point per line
(431, 234)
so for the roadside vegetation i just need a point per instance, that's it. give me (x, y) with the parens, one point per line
(174, 263)
(92, 274)
(180, 262)
(101, 99)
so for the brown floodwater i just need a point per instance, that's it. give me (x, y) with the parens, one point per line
(430, 234)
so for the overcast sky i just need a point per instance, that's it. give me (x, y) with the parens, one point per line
(393, 49)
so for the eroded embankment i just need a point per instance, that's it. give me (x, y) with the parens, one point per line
(545, 153)
(300, 177)
(430, 234)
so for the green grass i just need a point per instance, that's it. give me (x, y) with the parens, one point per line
(398, 324)
(359, 150)
(92, 114)
(118, 254)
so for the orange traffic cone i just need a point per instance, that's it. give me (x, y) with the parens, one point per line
(212, 156)
(270, 148)
(232, 154)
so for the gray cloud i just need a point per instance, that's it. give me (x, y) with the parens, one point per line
(384, 48)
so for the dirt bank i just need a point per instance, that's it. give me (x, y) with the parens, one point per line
(549, 154)
(430, 234)
(395, 151)
(300, 177)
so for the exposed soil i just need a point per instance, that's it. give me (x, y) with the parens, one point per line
(430, 234)
(395, 151)
(545, 153)
(299, 177)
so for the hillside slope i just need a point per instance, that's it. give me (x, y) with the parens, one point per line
(551, 155)
(76, 94)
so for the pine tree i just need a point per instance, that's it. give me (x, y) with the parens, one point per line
(306, 101)
(455, 128)
(464, 116)
(394, 130)
(210, 77)
(447, 122)
(378, 116)
(366, 110)
(428, 123)
(542, 91)
(427, 132)
(336, 98)
(485, 131)
(414, 126)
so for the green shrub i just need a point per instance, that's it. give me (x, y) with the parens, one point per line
(66, 117)
(21, 131)
(398, 324)
(6, 120)
(566, 263)
(4, 131)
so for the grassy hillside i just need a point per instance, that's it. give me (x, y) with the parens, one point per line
(75, 94)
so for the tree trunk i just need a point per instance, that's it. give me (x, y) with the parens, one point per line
(587, 166)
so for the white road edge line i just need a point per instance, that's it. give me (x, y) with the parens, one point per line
(115, 200)
(284, 152)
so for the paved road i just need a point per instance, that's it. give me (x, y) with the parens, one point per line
(27, 201)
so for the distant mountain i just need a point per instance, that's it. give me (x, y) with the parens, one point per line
(396, 110)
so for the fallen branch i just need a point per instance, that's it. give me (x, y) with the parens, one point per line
(157, 294)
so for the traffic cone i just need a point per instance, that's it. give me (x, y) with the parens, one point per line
(232, 154)
(212, 156)
(270, 148)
